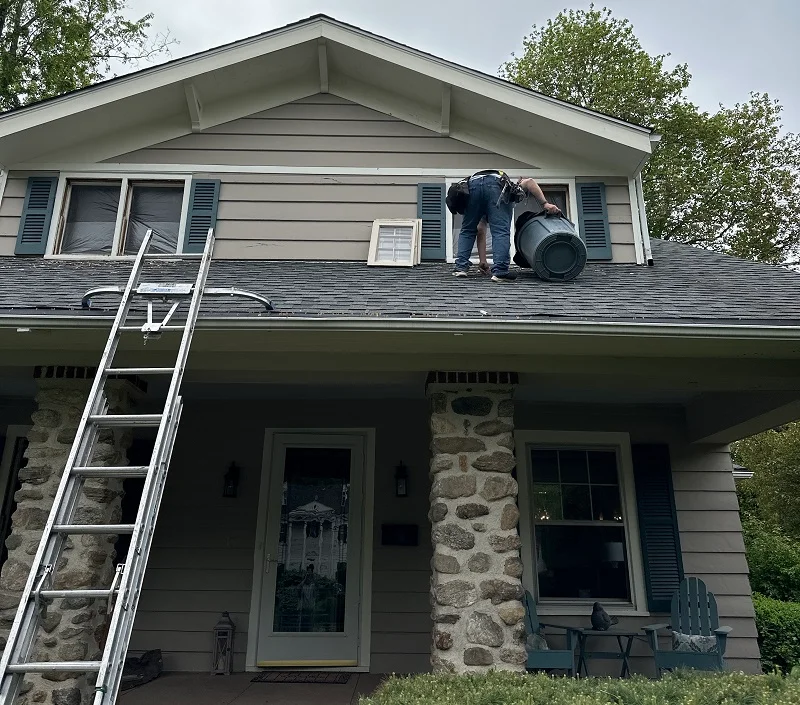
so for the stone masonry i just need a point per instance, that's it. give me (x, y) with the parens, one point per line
(73, 629)
(476, 589)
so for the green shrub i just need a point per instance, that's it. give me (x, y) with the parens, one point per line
(778, 633)
(774, 561)
(504, 688)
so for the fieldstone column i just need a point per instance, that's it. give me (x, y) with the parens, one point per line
(476, 567)
(73, 629)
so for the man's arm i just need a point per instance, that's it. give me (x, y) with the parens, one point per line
(533, 188)
(484, 263)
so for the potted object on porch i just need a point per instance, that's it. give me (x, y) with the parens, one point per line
(223, 646)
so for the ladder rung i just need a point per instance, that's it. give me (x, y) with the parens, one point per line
(138, 329)
(167, 255)
(57, 594)
(116, 420)
(120, 471)
(50, 666)
(140, 371)
(93, 528)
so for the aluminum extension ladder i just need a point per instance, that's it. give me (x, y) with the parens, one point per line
(123, 593)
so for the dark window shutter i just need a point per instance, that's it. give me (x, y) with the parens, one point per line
(37, 212)
(203, 204)
(431, 209)
(658, 524)
(593, 217)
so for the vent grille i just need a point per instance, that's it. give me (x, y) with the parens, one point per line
(473, 378)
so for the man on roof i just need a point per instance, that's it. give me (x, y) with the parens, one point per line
(486, 205)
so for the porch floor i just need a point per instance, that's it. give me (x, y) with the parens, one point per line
(201, 689)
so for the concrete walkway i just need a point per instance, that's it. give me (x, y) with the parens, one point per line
(201, 689)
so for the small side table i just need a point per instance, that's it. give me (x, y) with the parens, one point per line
(624, 641)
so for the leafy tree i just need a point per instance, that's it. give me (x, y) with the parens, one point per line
(728, 181)
(48, 47)
(774, 457)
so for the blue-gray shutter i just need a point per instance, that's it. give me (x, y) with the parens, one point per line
(37, 212)
(593, 218)
(431, 209)
(658, 524)
(203, 204)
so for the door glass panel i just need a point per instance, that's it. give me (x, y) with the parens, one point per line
(311, 566)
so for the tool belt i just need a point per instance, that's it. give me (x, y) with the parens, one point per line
(458, 193)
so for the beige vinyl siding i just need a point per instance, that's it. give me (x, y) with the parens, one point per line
(711, 541)
(620, 219)
(202, 567)
(293, 216)
(708, 519)
(322, 130)
(11, 208)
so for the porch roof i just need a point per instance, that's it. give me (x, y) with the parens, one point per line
(687, 286)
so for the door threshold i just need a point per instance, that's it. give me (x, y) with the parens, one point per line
(306, 664)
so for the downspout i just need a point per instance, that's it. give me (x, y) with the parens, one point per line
(648, 252)
(3, 181)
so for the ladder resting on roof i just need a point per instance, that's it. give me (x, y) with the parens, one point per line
(123, 593)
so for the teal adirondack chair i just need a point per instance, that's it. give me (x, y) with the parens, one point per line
(694, 611)
(550, 659)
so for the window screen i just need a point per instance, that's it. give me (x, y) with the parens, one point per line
(91, 219)
(157, 208)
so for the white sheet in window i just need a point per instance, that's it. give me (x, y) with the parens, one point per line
(91, 219)
(157, 208)
(395, 244)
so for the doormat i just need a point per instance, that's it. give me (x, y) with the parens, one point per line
(301, 677)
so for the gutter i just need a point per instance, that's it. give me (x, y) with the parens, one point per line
(438, 325)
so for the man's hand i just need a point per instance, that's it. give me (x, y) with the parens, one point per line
(484, 267)
(551, 208)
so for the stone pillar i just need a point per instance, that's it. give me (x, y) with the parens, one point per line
(476, 589)
(73, 629)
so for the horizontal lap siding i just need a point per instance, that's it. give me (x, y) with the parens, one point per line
(320, 131)
(326, 218)
(711, 542)
(11, 209)
(620, 220)
(202, 558)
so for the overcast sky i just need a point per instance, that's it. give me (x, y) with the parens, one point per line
(732, 46)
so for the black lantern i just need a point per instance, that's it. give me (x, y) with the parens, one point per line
(230, 486)
(401, 480)
(223, 646)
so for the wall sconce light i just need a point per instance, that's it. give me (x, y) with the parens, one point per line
(230, 485)
(401, 480)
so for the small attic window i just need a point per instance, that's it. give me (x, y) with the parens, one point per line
(395, 243)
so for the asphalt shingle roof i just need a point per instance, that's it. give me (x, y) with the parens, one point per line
(685, 285)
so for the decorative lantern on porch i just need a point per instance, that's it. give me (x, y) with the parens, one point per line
(223, 646)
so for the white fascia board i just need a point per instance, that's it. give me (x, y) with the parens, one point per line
(496, 89)
(159, 76)
(182, 70)
(357, 323)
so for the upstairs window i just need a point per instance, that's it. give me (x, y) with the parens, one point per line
(558, 195)
(111, 217)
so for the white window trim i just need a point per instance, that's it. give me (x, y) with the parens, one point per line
(572, 209)
(125, 178)
(416, 246)
(621, 441)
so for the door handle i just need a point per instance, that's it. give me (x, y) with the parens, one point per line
(269, 560)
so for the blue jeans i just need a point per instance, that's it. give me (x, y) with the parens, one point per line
(483, 195)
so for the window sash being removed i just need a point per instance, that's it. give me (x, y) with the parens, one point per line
(395, 243)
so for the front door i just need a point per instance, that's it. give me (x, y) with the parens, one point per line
(310, 598)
